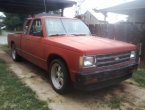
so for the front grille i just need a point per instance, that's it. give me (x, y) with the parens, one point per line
(106, 60)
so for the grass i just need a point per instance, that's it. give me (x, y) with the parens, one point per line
(14, 95)
(139, 77)
(117, 101)
(114, 102)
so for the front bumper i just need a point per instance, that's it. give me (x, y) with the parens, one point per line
(101, 79)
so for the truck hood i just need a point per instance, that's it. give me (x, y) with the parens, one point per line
(91, 45)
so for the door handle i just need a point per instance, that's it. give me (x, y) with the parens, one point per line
(28, 38)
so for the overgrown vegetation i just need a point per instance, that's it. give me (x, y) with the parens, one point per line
(14, 95)
(139, 77)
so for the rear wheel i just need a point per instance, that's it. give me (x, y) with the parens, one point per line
(14, 54)
(59, 76)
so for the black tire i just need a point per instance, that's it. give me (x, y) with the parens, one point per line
(14, 54)
(65, 87)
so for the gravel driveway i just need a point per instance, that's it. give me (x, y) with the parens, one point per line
(126, 96)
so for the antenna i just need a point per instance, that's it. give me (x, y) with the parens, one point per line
(45, 6)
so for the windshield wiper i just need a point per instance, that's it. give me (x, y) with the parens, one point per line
(79, 34)
(57, 35)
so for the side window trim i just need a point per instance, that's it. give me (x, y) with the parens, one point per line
(36, 22)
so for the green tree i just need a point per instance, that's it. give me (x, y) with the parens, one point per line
(14, 21)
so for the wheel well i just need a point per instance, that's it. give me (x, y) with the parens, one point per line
(12, 43)
(54, 56)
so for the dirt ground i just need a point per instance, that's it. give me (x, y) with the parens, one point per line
(126, 96)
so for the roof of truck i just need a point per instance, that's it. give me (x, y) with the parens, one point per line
(42, 17)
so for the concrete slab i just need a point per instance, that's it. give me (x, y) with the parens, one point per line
(3, 40)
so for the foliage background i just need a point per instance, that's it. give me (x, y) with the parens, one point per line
(14, 22)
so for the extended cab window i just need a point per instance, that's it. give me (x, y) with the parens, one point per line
(27, 26)
(36, 29)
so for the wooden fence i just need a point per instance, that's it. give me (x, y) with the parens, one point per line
(127, 32)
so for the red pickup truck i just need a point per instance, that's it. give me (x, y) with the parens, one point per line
(65, 48)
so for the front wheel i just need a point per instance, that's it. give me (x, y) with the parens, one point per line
(14, 54)
(59, 76)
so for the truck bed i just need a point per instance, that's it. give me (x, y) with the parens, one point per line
(14, 37)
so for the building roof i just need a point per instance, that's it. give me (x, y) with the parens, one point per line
(137, 6)
(98, 16)
(33, 6)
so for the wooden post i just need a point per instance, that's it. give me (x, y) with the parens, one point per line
(105, 23)
(62, 11)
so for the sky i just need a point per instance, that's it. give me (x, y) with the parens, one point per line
(1, 14)
(98, 4)
(90, 4)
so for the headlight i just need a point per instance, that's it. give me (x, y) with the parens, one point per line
(87, 61)
(133, 55)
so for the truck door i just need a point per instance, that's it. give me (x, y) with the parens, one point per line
(35, 42)
(25, 37)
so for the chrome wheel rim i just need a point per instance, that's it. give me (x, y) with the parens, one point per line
(57, 76)
(14, 53)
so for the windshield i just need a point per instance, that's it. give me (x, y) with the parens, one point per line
(73, 27)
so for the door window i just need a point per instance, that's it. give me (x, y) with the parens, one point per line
(36, 28)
